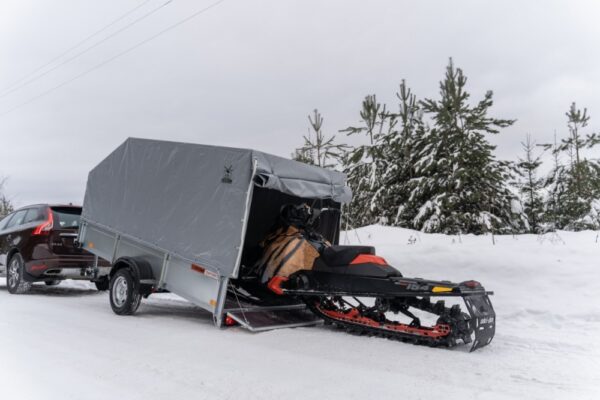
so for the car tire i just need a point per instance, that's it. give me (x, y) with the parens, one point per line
(103, 284)
(52, 283)
(125, 297)
(15, 272)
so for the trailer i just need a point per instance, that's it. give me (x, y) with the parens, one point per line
(245, 236)
(185, 218)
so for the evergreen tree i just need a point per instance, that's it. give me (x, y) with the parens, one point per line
(366, 165)
(556, 187)
(303, 155)
(400, 151)
(6, 206)
(320, 151)
(530, 185)
(579, 189)
(459, 186)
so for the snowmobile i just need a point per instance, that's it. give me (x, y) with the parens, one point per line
(355, 289)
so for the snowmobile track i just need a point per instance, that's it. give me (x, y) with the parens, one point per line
(449, 339)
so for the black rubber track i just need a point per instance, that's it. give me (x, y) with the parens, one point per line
(363, 330)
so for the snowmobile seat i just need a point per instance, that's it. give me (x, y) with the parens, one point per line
(338, 256)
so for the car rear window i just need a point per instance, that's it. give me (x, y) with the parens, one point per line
(34, 215)
(66, 217)
(17, 219)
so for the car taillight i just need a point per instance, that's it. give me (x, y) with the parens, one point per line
(45, 226)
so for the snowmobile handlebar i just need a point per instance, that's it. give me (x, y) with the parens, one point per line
(303, 215)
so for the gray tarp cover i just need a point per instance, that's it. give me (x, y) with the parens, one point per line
(190, 199)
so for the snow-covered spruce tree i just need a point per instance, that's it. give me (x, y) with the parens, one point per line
(303, 155)
(400, 150)
(321, 151)
(459, 185)
(366, 165)
(556, 190)
(530, 185)
(577, 183)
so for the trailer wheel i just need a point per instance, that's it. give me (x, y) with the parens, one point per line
(125, 297)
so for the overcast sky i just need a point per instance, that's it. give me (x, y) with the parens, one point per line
(247, 73)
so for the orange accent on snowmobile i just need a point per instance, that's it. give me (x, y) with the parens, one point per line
(353, 316)
(275, 284)
(369, 258)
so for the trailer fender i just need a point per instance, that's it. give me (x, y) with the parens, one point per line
(141, 271)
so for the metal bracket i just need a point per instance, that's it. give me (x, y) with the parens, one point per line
(163, 270)
(116, 247)
(244, 221)
(218, 314)
(96, 269)
(81, 234)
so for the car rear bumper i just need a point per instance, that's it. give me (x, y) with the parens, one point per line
(73, 267)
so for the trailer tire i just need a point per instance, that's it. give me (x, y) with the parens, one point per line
(125, 297)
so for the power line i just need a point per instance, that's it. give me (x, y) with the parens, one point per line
(87, 49)
(100, 65)
(58, 57)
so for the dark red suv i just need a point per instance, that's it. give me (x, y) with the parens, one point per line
(37, 244)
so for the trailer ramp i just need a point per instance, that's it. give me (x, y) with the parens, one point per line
(263, 318)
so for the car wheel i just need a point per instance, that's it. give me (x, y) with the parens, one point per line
(14, 276)
(52, 283)
(125, 297)
(102, 284)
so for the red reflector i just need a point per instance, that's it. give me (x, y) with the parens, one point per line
(198, 268)
(37, 267)
(275, 284)
(472, 284)
(230, 321)
(45, 226)
(369, 259)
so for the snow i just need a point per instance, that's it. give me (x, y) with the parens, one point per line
(592, 218)
(65, 343)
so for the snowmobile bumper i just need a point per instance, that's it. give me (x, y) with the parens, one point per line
(483, 319)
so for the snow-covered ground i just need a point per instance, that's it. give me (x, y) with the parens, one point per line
(65, 342)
